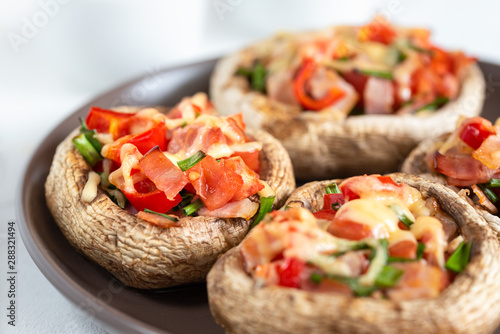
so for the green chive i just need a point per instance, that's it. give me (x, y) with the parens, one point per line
(416, 48)
(460, 258)
(420, 250)
(90, 135)
(378, 74)
(316, 278)
(259, 78)
(401, 57)
(332, 189)
(438, 102)
(87, 150)
(266, 205)
(191, 161)
(489, 193)
(335, 206)
(345, 58)
(494, 183)
(358, 289)
(401, 215)
(392, 259)
(244, 72)
(389, 276)
(174, 219)
(188, 210)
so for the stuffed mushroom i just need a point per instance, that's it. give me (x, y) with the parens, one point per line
(349, 97)
(467, 160)
(155, 198)
(382, 254)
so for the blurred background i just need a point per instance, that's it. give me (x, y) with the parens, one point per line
(55, 55)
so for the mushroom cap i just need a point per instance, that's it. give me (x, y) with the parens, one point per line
(136, 252)
(341, 147)
(416, 164)
(471, 304)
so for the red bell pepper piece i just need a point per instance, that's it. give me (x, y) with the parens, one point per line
(290, 272)
(299, 88)
(109, 121)
(147, 196)
(475, 131)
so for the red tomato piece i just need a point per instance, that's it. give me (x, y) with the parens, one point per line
(164, 174)
(215, 184)
(290, 272)
(325, 214)
(251, 184)
(349, 230)
(109, 121)
(251, 159)
(475, 131)
(379, 30)
(359, 186)
(406, 249)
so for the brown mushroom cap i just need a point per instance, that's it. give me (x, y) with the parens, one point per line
(355, 145)
(471, 304)
(416, 164)
(140, 254)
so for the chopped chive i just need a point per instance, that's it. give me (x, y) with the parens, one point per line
(420, 250)
(345, 58)
(266, 205)
(259, 78)
(90, 135)
(378, 74)
(188, 210)
(87, 150)
(389, 276)
(438, 102)
(174, 219)
(416, 48)
(401, 215)
(358, 289)
(316, 278)
(244, 72)
(460, 258)
(494, 183)
(489, 193)
(401, 57)
(332, 189)
(191, 161)
(392, 259)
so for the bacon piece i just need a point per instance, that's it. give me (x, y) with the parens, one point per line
(462, 170)
(378, 96)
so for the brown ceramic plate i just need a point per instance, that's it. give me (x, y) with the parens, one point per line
(118, 308)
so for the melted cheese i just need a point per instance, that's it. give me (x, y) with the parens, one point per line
(436, 245)
(375, 214)
(90, 190)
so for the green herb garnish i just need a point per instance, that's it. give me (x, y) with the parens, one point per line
(174, 219)
(388, 277)
(402, 216)
(489, 193)
(255, 75)
(420, 250)
(494, 183)
(266, 205)
(434, 105)
(460, 258)
(87, 150)
(191, 161)
(378, 74)
(190, 209)
(332, 189)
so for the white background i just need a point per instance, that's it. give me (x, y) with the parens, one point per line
(55, 55)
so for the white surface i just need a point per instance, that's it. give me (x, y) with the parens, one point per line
(83, 48)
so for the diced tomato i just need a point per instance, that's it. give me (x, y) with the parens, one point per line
(330, 199)
(250, 158)
(360, 186)
(251, 184)
(406, 249)
(215, 183)
(325, 214)
(109, 121)
(378, 30)
(299, 88)
(489, 152)
(144, 142)
(475, 130)
(290, 272)
(164, 174)
(346, 229)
